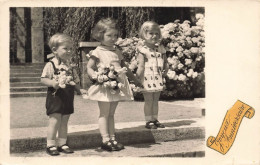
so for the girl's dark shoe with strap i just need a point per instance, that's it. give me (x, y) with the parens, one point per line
(65, 149)
(108, 146)
(150, 125)
(158, 124)
(118, 146)
(52, 150)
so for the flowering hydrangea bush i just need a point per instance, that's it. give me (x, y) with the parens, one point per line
(128, 47)
(185, 45)
(185, 51)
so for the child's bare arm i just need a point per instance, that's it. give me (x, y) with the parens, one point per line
(130, 75)
(165, 65)
(49, 83)
(79, 90)
(90, 65)
(140, 62)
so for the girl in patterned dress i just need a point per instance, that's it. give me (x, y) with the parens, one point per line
(152, 68)
(106, 54)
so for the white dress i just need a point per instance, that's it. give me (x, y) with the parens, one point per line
(97, 92)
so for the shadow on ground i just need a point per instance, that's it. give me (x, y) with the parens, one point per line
(127, 136)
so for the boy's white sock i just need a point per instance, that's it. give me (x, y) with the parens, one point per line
(51, 143)
(61, 141)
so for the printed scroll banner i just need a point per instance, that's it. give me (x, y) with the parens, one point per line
(229, 128)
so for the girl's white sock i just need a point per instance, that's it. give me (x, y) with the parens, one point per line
(61, 141)
(112, 137)
(51, 143)
(105, 138)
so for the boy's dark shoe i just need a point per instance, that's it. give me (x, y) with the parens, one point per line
(118, 146)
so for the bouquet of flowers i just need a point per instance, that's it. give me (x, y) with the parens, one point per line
(108, 77)
(63, 78)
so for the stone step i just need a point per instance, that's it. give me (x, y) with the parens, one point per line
(25, 79)
(29, 89)
(28, 94)
(27, 70)
(88, 136)
(179, 149)
(25, 84)
(27, 65)
(22, 74)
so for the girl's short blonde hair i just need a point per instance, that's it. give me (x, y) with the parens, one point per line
(59, 38)
(102, 26)
(148, 25)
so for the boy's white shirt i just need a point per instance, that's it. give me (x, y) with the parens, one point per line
(48, 69)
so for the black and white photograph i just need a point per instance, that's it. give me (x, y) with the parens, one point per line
(135, 83)
(107, 81)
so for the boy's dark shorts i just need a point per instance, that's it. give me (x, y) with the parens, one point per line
(61, 102)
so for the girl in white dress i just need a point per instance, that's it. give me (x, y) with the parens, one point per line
(106, 54)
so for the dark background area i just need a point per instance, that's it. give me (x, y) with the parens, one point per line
(78, 22)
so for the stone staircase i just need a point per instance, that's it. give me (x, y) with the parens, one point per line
(25, 80)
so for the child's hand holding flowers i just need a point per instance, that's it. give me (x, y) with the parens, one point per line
(62, 79)
(55, 84)
(108, 77)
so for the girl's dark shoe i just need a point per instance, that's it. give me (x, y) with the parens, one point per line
(150, 125)
(118, 146)
(65, 149)
(158, 124)
(108, 146)
(52, 150)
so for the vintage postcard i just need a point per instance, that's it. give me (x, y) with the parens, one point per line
(130, 82)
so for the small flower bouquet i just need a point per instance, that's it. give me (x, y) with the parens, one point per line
(108, 77)
(63, 78)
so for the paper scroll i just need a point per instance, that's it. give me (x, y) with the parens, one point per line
(229, 128)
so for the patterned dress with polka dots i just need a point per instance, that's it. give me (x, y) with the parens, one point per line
(152, 79)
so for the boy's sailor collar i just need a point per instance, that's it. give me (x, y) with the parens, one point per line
(108, 48)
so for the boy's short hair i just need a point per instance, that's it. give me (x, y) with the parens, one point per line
(147, 26)
(102, 26)
(58, 39)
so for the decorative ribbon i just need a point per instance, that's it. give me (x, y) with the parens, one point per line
(228, 131)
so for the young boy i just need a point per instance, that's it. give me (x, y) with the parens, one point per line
(59, 101)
